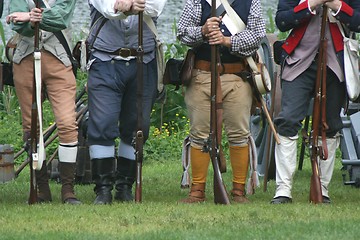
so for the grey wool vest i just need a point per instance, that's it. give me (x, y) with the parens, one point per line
(116, 34)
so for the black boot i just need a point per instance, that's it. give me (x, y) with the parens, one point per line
(103, 176)
(124, 179)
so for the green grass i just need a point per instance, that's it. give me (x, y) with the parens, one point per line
(159, 216)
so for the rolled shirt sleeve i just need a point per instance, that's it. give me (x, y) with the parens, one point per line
(153, 8)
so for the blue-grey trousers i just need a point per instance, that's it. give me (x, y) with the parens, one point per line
(112, 100)
(296, 97)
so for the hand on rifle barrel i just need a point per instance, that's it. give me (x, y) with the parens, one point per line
(129, 7)
(34, 16)
(333, 4)
(212, 32)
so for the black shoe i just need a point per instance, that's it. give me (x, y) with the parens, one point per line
(123, 193)
(103, 196)
(280, 200)
(326, 200)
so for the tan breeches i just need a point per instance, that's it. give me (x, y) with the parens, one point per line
(237, 101)
(60, 86)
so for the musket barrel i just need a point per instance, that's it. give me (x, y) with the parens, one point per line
(316, 151)
(139, 137)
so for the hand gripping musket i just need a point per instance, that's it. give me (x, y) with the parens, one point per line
(139, 138)
(319, 109)
(212, 145)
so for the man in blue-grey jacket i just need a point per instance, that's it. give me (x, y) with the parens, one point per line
(112, 92)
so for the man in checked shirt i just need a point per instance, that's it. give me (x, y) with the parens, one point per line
(199, 30)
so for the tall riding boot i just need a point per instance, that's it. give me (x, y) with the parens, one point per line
(124, 179)
(199, 168)
(103, 170)
(42, 181)
(67, 164)
(67, 177)
(285, 160)
(239, 158)
(326, 167)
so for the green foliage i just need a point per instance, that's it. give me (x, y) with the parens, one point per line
(172, 113)
(270, 26)
(165, 144)
(3, 41)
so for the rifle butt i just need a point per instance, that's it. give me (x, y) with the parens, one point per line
(220, 193)
(315, 185)
(139, 144)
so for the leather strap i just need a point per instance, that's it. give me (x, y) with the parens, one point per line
(125, 52)
(229, 68)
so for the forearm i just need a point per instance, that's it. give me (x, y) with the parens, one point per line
(58, 17)
(189, 29)
(247, 41)
(290, 14)
(107, 8)
(23, 28)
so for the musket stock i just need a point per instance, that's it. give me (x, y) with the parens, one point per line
(139, 137)
(220, 194)
(318, 109)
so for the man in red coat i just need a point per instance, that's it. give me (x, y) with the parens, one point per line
(298, 76)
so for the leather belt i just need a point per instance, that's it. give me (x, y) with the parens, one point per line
(224, 68)
(125, 52)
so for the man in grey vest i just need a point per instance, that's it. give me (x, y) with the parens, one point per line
(112, 91)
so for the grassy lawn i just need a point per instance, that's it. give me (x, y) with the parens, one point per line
(159, 216)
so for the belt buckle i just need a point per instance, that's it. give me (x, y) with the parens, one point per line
(124, 52)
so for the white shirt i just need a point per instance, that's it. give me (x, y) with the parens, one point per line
(153, 8)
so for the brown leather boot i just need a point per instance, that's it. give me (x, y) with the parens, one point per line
(238, 193)
(67, 176)
(42, 181)
(196, 195)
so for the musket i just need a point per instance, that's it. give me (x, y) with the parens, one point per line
(34, 114)
(139, 137)
(319, 109)
(220, 194)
